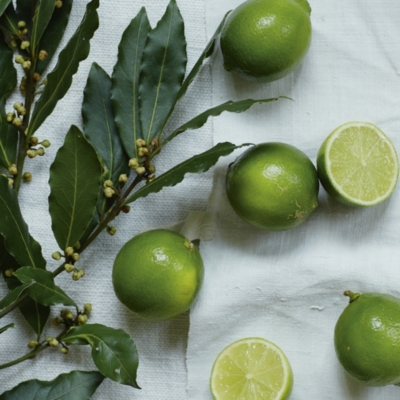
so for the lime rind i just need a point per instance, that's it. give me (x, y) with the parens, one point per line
(339, 190)
(234, 364)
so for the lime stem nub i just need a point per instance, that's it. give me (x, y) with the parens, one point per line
(353, 296)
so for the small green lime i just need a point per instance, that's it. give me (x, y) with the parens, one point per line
(273, 186)
(157, 274)
(367, 338)
(264, 40)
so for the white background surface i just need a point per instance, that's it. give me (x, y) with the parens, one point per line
(286, 287)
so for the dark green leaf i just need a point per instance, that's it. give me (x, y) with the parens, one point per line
(125, 81)
(25, 11)
(76, 385)
(201, 119)
(43, 13)
(60, 79)
(53, 34)
(162, 71)
(9, 20)
(3, 5)
(99, 125)
(113, 351)
(8, 74)
(35, 314)
(74, 182)
(196, 68)
(13, 295)
(15, 231)
(4, 328)
(43, 291)
(197, 164)
(8, 140)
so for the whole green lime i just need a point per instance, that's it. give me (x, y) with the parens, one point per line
(264, 40)
(367, 338)
(157, 274)
(273, 186)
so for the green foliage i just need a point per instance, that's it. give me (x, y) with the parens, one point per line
(99, 126)
(42, 288)
(53, 34)
(15, 231)
(43, 13)
(197, 164)
(76, 385)
(3, 5)
(113, 351)
(91, 182)
(60, 79)
(161, 72)
(74, 182)
(4, 328)
(125, 82)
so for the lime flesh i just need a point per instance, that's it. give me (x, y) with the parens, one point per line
(251, 368)
(358, 165)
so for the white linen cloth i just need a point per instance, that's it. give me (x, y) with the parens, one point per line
(288, 286)
(161, 346)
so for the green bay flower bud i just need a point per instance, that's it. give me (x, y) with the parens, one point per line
(33, 141)
(36, 77)
(17, 122)
(151, 169)
(21, 24)
(140, 170)
(69, 267)
(58, 4)
(56, 256)
(125, 209)
(19, 59)
(25, 44)
(75, 256)
(123, 178)
(12, 169)
(133, 163)
(27, 177)
(143, 151)
(64, 350)
(32, 344)
(108, 183)
(108, 192)
(9, 272)
(10, 182)
(41, 151)
(24, 31)
(14, 44)
(10, 117)
(69, 251)
(45, 143)
(77, 245)
(42, 55)
(54, 342)
(26, 65)
(111, 230)
(31, 153)
(82, 319)
(140, 143)
(17, 105)
(87, 307)
(66, 315)
(56, 321)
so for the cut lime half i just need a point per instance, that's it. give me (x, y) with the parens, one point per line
(358, 165)
(249, 369)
